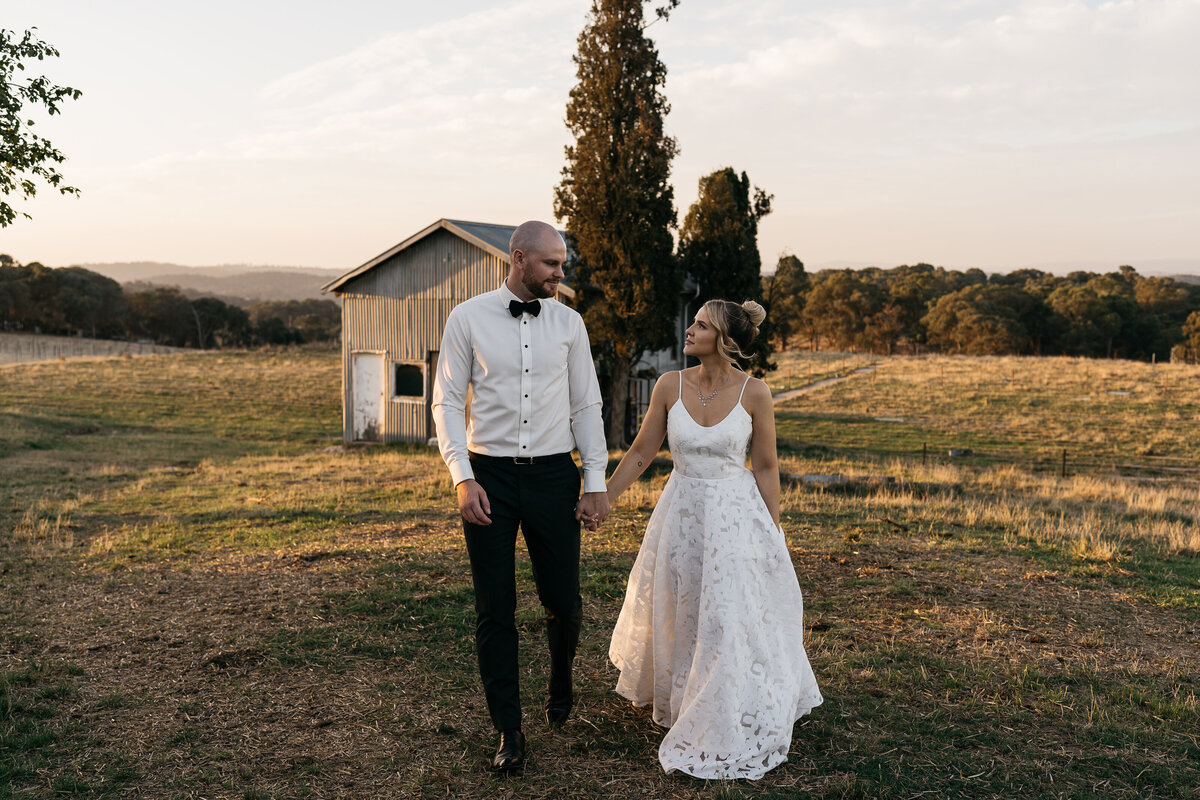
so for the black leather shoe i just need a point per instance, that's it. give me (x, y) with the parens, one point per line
(510, 756)
(558, 709)
(562, 635)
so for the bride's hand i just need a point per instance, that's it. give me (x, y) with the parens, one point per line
(592, 509)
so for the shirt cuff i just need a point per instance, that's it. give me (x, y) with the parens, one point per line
(593, 481)
(461, 471)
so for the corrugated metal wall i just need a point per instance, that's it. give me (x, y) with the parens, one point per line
(400, 308)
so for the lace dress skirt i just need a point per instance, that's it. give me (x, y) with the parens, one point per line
(712, 627)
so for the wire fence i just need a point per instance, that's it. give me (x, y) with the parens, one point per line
(19, 348)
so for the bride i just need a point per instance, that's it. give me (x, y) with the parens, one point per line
(711, 630)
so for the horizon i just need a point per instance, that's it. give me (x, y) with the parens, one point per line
(996, 135)
(1183, 269)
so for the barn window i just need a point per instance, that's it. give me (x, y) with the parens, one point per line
(409, 381)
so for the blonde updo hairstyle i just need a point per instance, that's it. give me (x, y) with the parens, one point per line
(736, 326)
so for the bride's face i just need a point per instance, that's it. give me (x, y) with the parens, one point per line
(701, 337)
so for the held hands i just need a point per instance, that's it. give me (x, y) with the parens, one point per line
(592, 509)
(473, 502)
(473, 505)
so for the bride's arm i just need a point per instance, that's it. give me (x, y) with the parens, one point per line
(649, 438)
(763, 459)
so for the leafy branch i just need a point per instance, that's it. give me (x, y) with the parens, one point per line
(26, 157)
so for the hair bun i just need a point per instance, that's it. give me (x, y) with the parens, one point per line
(755, 312)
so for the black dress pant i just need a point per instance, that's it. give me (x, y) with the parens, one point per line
(540, 499)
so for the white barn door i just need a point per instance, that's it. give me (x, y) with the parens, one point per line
(370, 381)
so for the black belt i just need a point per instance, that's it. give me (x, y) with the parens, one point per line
(522, 460)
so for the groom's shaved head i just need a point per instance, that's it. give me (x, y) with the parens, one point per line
(538, 254)
(534, 235)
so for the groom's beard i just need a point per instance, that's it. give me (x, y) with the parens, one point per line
(541, 290)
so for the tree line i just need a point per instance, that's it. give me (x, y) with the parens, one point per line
(1118, 314)
(74, 301)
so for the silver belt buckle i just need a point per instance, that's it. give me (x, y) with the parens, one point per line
(522, 459)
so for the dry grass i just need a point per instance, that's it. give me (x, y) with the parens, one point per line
(1086, 514)
(1133, 477)
(1114, 412)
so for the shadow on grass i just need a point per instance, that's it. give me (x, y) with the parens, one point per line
(40, 744)
(406, 611)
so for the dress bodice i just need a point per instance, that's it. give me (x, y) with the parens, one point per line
(711, 452)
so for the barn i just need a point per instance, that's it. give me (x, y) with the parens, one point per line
(394, 308)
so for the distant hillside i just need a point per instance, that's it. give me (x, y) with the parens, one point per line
(1186, 278)
(239, 283)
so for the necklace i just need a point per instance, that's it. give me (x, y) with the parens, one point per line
(705, 399)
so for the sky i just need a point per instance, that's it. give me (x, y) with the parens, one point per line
(965, 133)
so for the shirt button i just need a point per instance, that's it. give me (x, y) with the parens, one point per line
(525, 421)
(522, 447)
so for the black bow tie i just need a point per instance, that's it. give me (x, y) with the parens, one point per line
(517, 308)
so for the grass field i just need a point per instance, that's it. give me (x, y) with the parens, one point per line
(204, 595)
(796, 369)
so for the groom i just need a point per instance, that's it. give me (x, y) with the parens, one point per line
(527, 360)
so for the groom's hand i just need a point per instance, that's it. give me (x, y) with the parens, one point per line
(592, 509)
(473, 502)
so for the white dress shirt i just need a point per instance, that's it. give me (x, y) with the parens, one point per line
(534, 386)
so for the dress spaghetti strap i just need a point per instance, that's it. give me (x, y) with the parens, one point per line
(743, 389)
(680, 385)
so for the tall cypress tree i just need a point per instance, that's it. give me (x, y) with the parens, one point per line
(718, 247)
(615, 197)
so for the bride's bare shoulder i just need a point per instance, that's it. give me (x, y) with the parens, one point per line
(757, 394)
(667, 386)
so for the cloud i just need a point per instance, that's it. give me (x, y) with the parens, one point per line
(477, 88)
(850, 79)
(986, 74)
(498, 75)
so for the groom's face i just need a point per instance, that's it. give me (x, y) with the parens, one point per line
(540, 268)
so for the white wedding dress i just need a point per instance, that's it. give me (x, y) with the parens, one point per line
(711, 630)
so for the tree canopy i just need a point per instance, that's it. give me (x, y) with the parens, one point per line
(718, 242)
(838, 306)
(616, 197)
(980, 319)
(784, 291)
(1118, 314)
(25, 157)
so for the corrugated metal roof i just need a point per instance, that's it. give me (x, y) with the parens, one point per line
(495, 235)
(485, 235)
